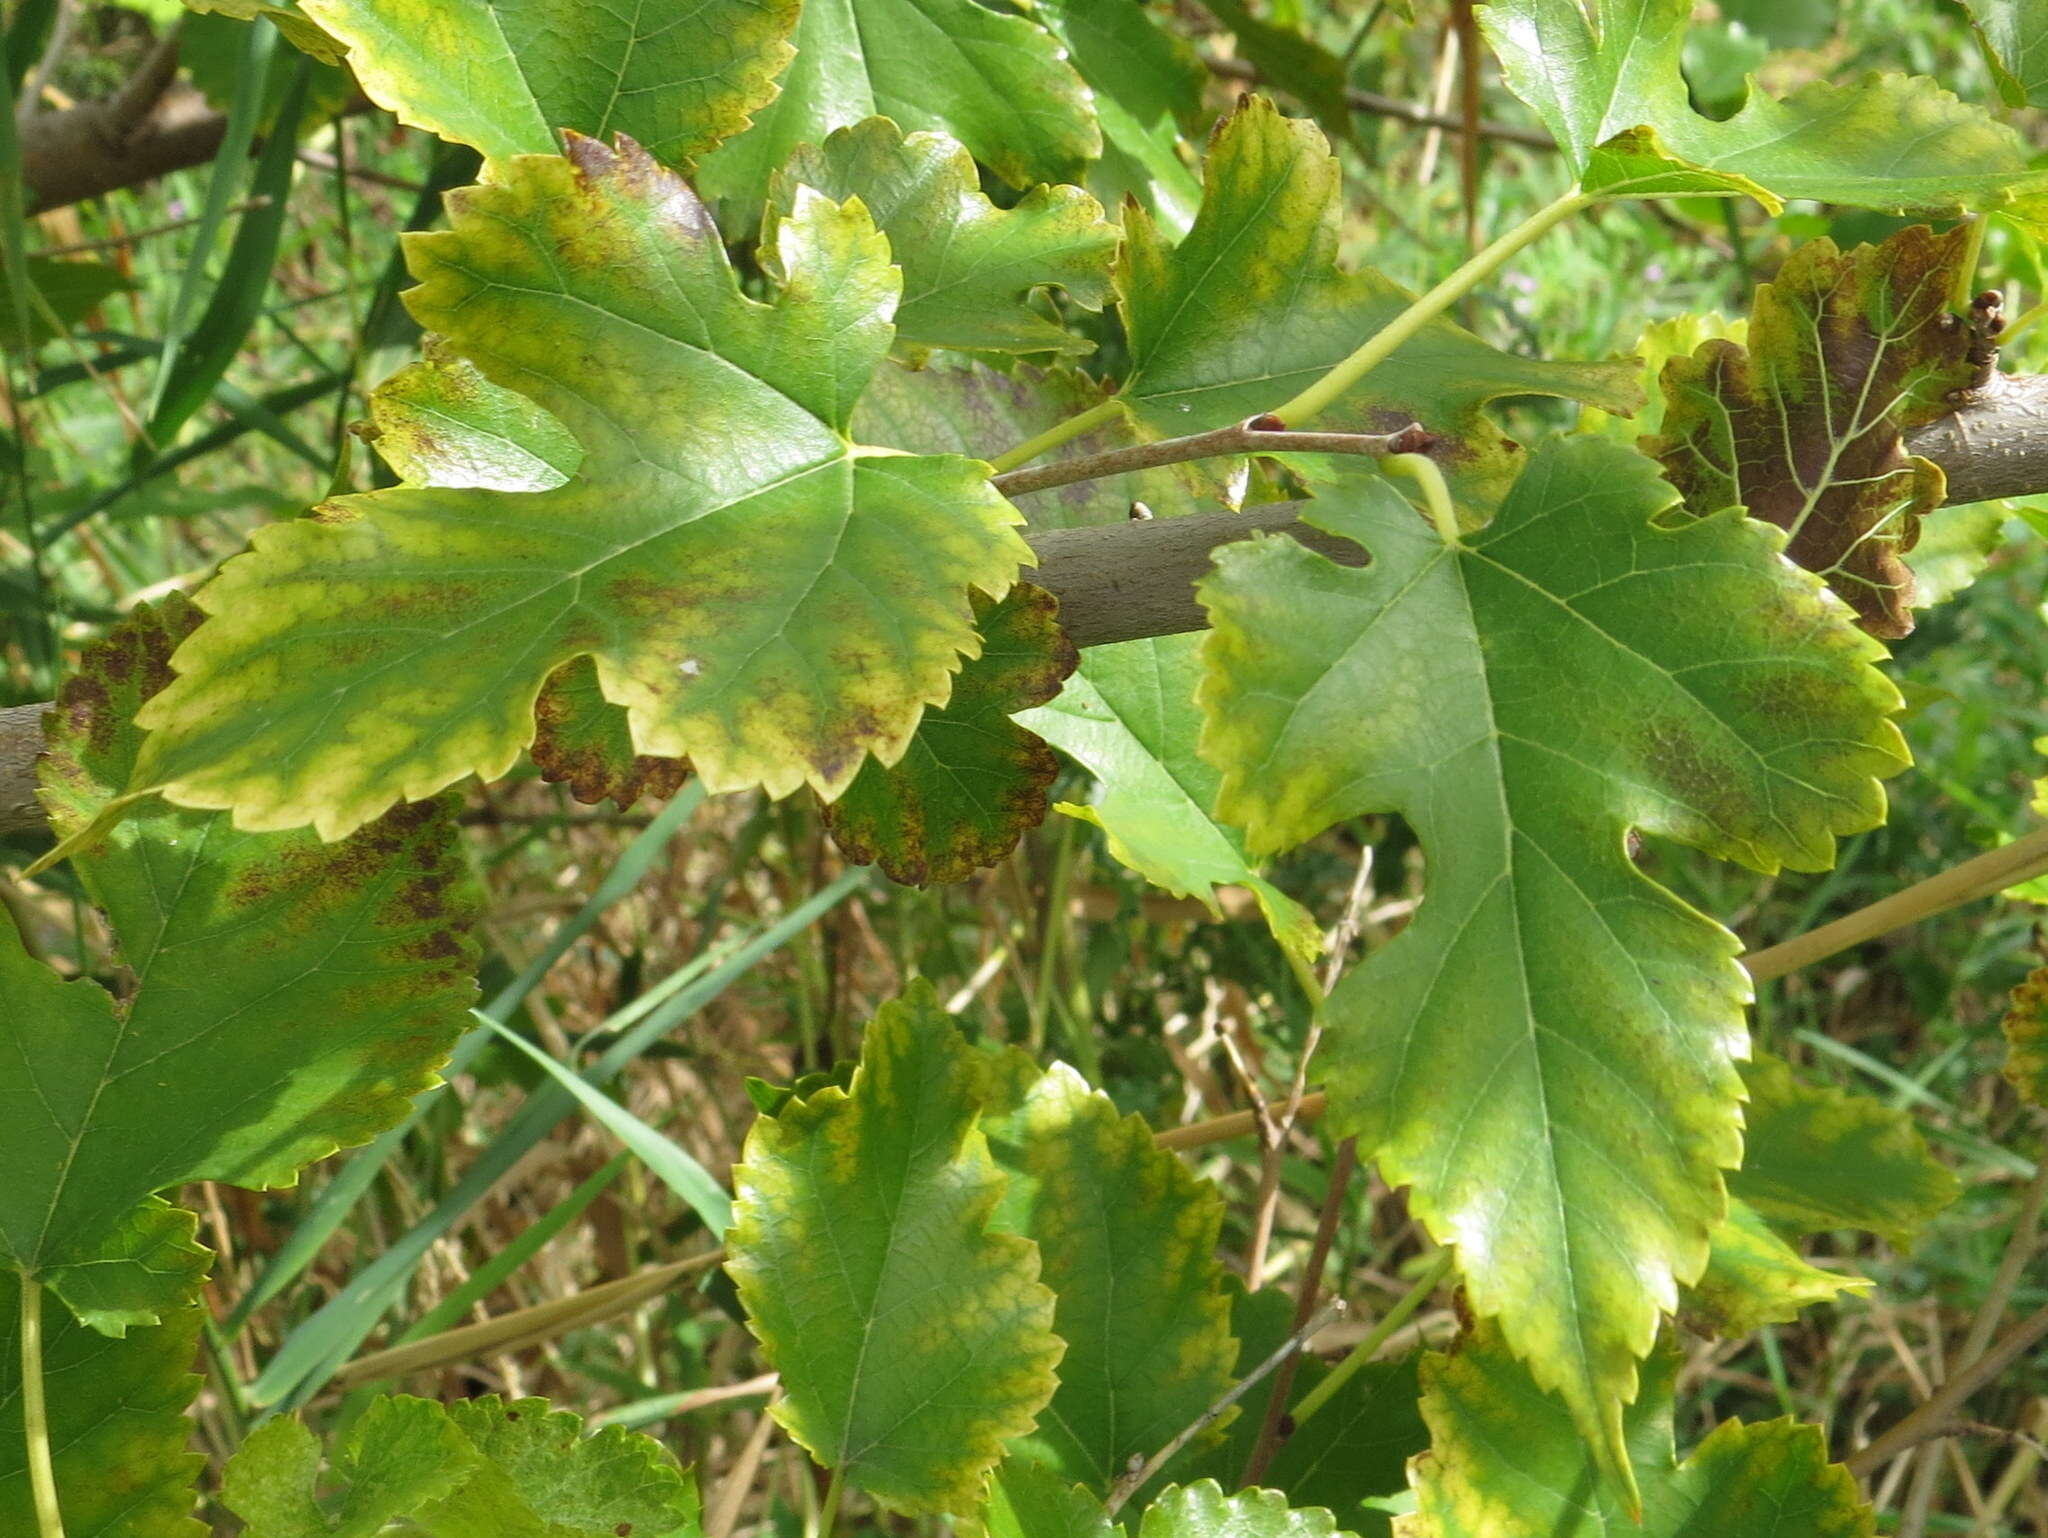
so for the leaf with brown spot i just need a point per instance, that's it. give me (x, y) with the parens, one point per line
(1847, 352)
(972, 781)
(763, 597)
(582, 740)
(290, 998)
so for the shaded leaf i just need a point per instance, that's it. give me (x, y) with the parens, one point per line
(969, 268)
(972, 781)
(350, 981)
(1202, 1510)
(503, 75)
(763, 598)
(1126, 1239)
(1847, 352)
(1289, 61)
(2014, 37)
(118, 1432)
(1252, 308)
(996, 83)
(2026, 1038)
(1817, 1158)
(1506, 1460)
(148, 1266)
(1606, 78)
(1129, 717)
(1754, 1278)
(1551, 1012)
(912, 1339)
(296, 26)
(1954, 549)
(71, 290)
(477, 1468)
(1029, 1500)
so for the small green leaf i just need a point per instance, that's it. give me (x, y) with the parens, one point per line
(1129, 717)
(2026, 1038)
(478, 1468)
(1127, 1240)
(1252, 307)
(970, 269)
(1754, 1278)
(763, 599)
(315, 1039)
(146, 1267)
(503, 75)
(1506, 1461)
(118, 1432)
(1606, 77)
(1550, 1011)
(1202, 1510)
(972, 781)
(1847, 352)
(1954, 549)
(912, 1339)
(1680, 336)
(439, 422)
(1029, 1500)
(996, 83)
(2014, 37)
(1817, 1158)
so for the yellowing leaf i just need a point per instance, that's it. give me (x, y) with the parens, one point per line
(2026, 1038)
(1546, 1054)
(912, 1339)
(765, 599)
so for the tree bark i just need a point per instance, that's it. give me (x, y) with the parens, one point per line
(1125, 581)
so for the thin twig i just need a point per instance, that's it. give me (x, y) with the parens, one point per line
(1939, 1413)
(1260, 435)
(1133, 1480)
(1392, 106)
(130, 237)
(733, 1489)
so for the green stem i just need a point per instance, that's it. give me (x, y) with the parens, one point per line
(35, 1414)
(1368, 1348)
(1319, 396)
(828, 1514)
(1966, 270)
(1058, 433)
(1436, 494)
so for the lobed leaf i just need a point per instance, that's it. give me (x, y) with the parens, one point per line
(1606, 78)
(997, 83)
(1202, 1510)
(1126, 1239)
(972, 782)
(2014, 37)
(1754, 1278)
(762, 597)
(477, 1468)
(1507, 1460)
(1129, 717)
(503, 75)
(119, 1438)
(1805, 426)
(913, 1339)
(1252, 307)
(970, 269)
(1546, 1055)
(350, 981)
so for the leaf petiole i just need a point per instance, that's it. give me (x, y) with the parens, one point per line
(1377, 1337)
(1436, 495)
(1060, 432)
(35, 1414)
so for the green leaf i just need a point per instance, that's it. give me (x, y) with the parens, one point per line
(1678, 337)
(1288, 61)
(478, 1468)
(2026, 1038)
(1817, 1158)
(1847, 352)
(1506, 1460)
(961, 406)
(1202, 1510)
(1784, 23)
(995, 83)
(439, 422)
(2014, 37)
(972, 781)
(315, 1039)
(1754, 1278)
(1029, 1500)
(147, 1266)
(1606, 78)
(502, 75)
(970, 269)
(298, 29)
(1129, 717)
(118, 1432)
(1955, 546)
(1126, 1238)
(1551, 1011)
(71, 290)
(762, 597)
(913, 1340)
(1252, 307)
